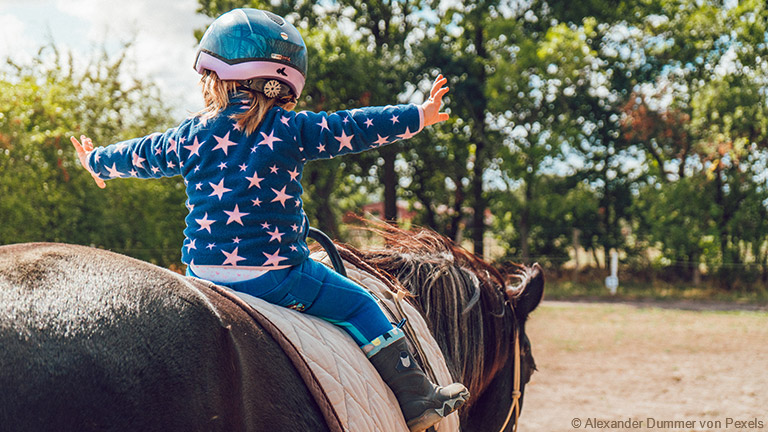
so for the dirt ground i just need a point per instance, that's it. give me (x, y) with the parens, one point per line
(649, 368)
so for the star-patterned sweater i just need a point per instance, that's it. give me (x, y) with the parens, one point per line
(244, 192)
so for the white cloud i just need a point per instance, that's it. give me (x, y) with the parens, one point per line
(162, 35)
(163, 43)
(13, 44)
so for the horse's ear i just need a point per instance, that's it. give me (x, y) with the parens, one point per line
(532, 292)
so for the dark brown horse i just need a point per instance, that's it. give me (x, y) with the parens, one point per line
(95, 341)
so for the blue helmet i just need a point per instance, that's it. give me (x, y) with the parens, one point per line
(256, 47)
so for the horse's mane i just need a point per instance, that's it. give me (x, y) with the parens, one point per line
(463, 298)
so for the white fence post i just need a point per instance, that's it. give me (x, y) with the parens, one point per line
(612, 281)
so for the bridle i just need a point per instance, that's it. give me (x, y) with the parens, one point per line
(514, 407)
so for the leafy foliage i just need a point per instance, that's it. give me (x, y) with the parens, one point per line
(47, 196)
(638, 126)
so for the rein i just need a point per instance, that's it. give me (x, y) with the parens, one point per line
(515, 405)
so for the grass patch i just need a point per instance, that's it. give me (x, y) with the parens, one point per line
(629, 290)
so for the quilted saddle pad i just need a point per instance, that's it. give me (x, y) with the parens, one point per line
(361, 400)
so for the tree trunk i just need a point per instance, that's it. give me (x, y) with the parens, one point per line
(324, 187)
(454, 226)
(725, 271)
(481, 104)
(524, 228)
(389, 155)
(525, 222)
(575, 240)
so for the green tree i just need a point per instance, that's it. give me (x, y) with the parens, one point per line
(47, 196)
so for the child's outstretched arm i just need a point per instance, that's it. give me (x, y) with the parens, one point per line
(152, 156)
(431, 107)
(322, 135)
(82, 153)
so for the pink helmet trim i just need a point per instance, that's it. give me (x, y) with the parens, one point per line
(252, 69)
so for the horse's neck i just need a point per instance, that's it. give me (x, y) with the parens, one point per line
(481, 370)
(489, 409)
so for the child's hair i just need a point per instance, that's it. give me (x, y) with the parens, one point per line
(216, 94)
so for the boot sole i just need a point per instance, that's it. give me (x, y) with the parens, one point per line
(431, 416)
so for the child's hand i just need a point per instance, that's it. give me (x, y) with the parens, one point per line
(82, 154)
(432, 106)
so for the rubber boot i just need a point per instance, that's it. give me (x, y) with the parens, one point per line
(423, 403)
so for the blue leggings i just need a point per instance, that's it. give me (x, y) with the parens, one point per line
(315, 289)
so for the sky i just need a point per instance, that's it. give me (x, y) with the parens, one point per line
(162, 32)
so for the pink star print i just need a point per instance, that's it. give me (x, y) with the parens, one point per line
(281, 196)
(269, 139)
(265, 225)
(255, 180)
(113, 172)
(205, 223)
(273, 259)
(368, 122)
(273, 169)
(193, 148)
(137, 160)
(223, 143)
(294, 174)
(232, 257)
(285, 120)
(191, 245)
(323, 124)
(171, 147)
(344, 140)
(256, 202)
(382, 140)
(275, 235)
(407, 134)
(394, 119)
(218, 189)
(235, 215)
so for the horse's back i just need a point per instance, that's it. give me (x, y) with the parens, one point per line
(93, 340)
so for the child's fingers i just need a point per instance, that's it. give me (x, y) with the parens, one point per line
(87, 143)
(76, 143)
(99, 182)
(81, 150)
(438, 97)
(438, 87)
